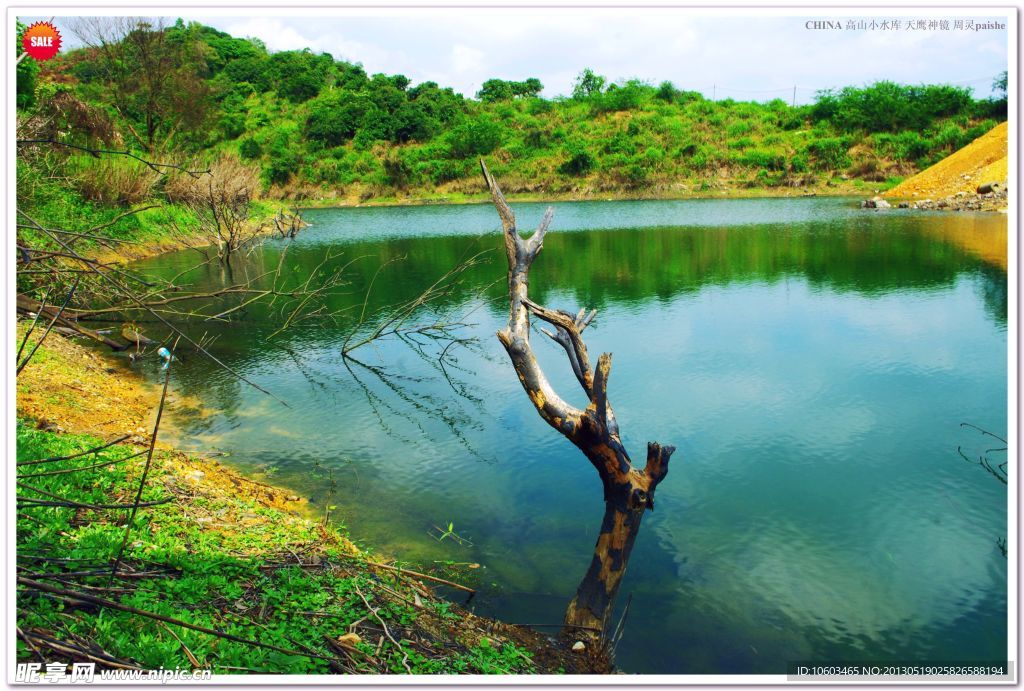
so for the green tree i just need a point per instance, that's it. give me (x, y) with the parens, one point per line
(1000, 83)
(530, 88)
(334, 117)
(667, 92)
(299, 75)
(27, 74)
(588, 84)
(154, 75)
(494, 90)
(476, 137)
(412, 122)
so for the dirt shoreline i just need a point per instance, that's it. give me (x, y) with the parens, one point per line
(68, 388)
(838, 189)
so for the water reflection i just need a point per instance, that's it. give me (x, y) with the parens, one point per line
(812, 364)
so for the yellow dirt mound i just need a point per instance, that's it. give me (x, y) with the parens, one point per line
(981, 161)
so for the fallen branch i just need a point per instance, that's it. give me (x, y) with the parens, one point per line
(95, 449)
(65, 594)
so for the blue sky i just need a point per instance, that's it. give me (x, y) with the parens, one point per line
(744, 56)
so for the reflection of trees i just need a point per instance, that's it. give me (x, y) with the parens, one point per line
(402, 399)
(598, 268)
(637, 264)
(994, 292)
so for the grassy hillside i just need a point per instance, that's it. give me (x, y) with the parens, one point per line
(322, 129)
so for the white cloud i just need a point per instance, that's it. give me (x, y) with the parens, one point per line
(756, 56)
(466, 60)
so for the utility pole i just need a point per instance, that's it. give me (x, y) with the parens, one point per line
(794, 96)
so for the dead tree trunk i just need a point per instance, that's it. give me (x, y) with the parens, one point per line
(628, 492)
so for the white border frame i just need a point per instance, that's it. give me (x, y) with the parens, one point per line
(262, 8)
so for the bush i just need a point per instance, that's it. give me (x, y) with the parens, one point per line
(905, 146)
(249, 148)
(829, 153)
(950, 138)
(476, 137)
(112, 179)
(398, 172)
(579, 163)
(282, 157)
(739, 128)
(762, 158)
(667, 92)
(889, 107)
(869, 169)
(628, 96)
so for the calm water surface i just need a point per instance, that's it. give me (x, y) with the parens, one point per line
(812, 362)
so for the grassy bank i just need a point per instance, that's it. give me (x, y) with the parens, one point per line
(220, 572)
(836, 188)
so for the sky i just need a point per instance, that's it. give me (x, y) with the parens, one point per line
(752, 55)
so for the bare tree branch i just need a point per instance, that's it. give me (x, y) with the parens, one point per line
(628, 492)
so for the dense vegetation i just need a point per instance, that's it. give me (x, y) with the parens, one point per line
(317, 127)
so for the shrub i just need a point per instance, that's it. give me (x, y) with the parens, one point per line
(905, 146)
(229, 182)
(763, 158)
(869, 169)
(113, 179)
(249, 148)
(398, 172)
(476, 137)
(579, 163)
(739, 128)
(282, 158)
(628, 96)
(829, 153)
(889, 107)
(950, 138)
(667, 92)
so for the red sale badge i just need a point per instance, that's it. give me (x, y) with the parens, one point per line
(41, 41)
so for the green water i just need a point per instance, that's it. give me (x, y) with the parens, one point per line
(812, 362)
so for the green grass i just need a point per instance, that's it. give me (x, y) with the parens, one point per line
(217, 580)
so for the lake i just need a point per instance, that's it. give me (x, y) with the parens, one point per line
(812, 362)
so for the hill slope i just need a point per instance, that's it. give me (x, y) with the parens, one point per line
(982, 161)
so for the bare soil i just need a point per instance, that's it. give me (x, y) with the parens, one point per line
(982, 161)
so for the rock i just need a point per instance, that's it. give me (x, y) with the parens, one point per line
(989, 187)
(294, 497)
(904, 205)
(196, 475)
(875, 202)
(578, 647)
